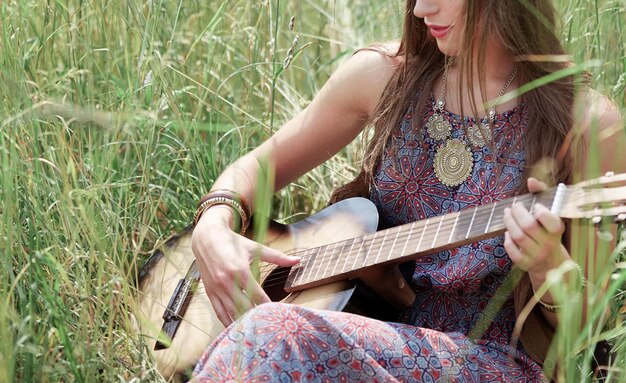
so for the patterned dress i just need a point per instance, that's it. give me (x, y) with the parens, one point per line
(288, 343)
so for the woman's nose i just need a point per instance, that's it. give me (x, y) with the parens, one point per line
(425, 8)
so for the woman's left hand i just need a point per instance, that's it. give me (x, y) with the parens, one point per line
(533, 240)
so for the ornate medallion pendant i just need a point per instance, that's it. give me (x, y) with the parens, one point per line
(475, 134)
(438, 128)
(453, 162)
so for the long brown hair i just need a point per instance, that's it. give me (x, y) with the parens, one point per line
(527, 29)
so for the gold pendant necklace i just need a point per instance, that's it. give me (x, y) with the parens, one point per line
(480, 135)
(454, 160)
(438, 127)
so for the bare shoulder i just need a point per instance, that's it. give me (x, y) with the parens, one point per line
(599, 112)
(603, 130)
(364, 76)
(376, 59)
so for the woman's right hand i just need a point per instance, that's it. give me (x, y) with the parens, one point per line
(223, 257)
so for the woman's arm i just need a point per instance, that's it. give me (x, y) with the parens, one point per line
(332, 120)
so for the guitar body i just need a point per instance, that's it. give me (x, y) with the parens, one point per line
(161, 274)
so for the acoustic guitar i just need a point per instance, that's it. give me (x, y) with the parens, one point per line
(338, 247)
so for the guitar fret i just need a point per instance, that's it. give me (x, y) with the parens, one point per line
(445, 230)
(408, 238)
(299, 271)
(368, 251)
(307, 266)
(422, 236)
(345, 256)
(454, 227)
(480, 222)
(376, 244)
(469, 227)
(393, 244)
(329, 261)
(490, 217)
(336, 256)
(294, 275)
(317, 267)
(382, 246)
(513, 202)
(437, 232)
(362, 240)
(498, 223)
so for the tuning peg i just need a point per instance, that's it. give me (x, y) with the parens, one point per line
(620, 218)
(609, 174)
(596, 219)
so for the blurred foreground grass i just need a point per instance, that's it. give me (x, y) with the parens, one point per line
(117, 115)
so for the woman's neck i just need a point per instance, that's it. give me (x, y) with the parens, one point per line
(499, 66)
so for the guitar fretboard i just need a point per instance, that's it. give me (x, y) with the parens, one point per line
(343, 259)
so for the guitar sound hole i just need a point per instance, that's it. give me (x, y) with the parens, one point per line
(274, 284)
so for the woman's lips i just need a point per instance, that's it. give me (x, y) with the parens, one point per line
(437, 31)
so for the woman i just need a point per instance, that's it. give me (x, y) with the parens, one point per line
(438, 147)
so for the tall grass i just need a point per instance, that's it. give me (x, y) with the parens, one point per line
(116, 116)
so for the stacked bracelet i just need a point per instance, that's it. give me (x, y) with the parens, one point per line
(228, 198)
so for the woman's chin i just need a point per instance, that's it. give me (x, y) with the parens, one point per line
(448, 50)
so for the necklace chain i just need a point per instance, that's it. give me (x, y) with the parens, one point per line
(491, 112)
(454, 160)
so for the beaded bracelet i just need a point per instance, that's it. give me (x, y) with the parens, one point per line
(556, 308)
(228, 198)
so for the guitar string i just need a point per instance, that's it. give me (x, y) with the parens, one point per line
(482, 212)
(373, 246)
(404, 233)
(575, 194)
(376, 245)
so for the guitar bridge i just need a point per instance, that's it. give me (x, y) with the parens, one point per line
(177, 306)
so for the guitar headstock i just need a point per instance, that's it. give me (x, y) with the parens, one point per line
(596, 198)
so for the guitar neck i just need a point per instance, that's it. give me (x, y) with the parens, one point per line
(344, 259)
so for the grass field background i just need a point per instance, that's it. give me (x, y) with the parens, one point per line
(116, 116)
